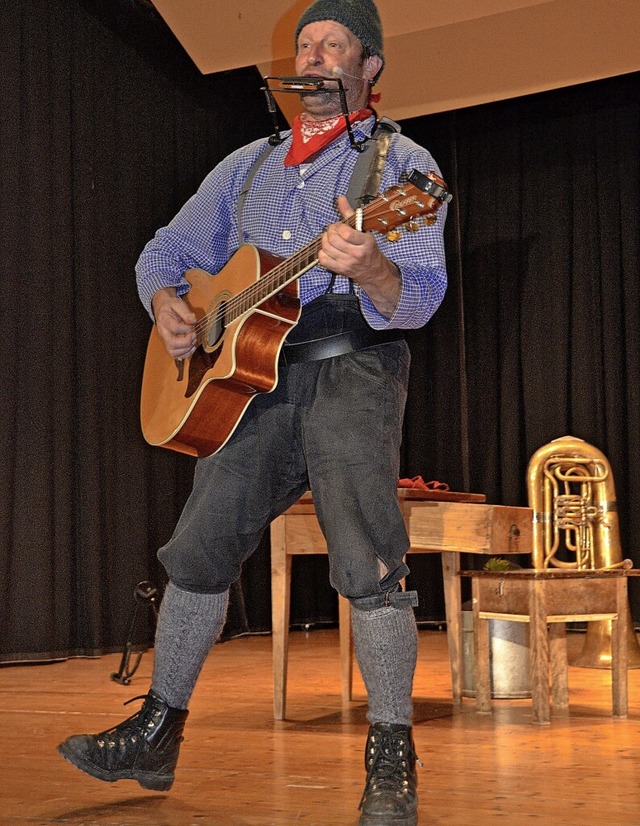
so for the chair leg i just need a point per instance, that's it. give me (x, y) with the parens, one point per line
(619, 652)
(482, 667)
(559, 666)
(539, 655)
(481, 656)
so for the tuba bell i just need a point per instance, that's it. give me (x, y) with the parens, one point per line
(575, 525)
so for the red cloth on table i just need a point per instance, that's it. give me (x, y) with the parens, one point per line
(418, 483)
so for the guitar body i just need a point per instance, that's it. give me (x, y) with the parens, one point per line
(244, 314)
(194, 406)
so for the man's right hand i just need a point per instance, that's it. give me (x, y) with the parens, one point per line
(175, 323)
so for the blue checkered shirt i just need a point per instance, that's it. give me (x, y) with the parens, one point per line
(287, 208)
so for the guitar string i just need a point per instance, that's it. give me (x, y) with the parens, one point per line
(238, 303)
(269, 279)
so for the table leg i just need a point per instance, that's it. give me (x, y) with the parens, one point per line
(346, 648)
(280, 609)
(453, 615)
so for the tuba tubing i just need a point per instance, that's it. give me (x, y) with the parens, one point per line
(606, 528)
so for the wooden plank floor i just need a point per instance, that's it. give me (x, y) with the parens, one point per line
(240, 768)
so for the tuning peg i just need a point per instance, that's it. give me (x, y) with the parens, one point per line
(394, 235)
(430, 219)
(413, 226)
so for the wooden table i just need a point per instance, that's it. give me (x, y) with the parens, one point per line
(444, 522)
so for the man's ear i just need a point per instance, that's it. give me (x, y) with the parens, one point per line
(372, 66)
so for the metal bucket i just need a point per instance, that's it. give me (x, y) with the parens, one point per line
(509, 658)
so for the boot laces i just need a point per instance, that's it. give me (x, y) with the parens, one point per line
(133, 727)
(388, 763)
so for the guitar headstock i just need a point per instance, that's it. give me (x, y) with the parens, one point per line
(420, 198)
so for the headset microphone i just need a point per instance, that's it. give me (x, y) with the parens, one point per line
(338, 70)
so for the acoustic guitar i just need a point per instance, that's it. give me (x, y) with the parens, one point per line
(244, 314)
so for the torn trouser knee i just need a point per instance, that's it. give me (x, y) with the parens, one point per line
(395, 597)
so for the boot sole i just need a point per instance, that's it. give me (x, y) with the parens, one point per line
(152, 782)
(373, 820)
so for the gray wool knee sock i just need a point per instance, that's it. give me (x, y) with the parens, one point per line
(386, 646)
(188, 626)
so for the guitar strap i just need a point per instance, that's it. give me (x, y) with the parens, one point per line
(366, 175)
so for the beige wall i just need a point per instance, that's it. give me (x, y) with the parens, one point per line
(440, 54)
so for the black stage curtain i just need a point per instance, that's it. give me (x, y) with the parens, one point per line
(106, 129)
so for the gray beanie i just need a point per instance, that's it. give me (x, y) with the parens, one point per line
(359, 16)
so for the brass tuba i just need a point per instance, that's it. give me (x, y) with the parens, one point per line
(575, 525)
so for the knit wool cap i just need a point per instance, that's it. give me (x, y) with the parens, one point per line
(359, 16)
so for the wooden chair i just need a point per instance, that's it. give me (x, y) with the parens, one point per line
(548, 599)
(572, 494)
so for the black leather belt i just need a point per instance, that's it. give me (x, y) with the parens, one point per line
(337, 345)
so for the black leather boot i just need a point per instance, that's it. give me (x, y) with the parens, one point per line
(144, 747)
(390, 794)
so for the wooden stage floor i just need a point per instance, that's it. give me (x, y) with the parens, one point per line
(240, 768)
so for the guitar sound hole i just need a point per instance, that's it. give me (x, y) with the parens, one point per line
(216, 330)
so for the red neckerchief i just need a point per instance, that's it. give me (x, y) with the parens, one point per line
(310, 136)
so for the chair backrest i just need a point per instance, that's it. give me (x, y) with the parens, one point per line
(572, 494)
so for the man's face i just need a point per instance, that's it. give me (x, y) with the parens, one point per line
(322, 47)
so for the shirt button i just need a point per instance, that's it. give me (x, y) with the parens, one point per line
(300, 185)
(286, 234)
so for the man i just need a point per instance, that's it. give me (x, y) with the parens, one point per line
(332, 424)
